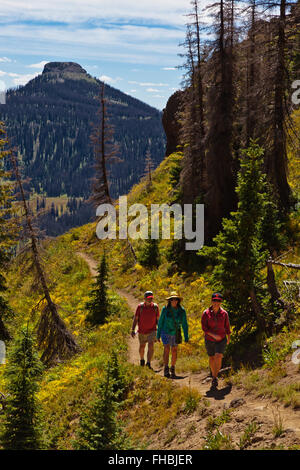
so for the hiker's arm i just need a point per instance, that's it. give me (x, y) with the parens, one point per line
(157, 315)
(160, 323)
(227, 328)
(135, 321)
(185, 327)
(204, 323)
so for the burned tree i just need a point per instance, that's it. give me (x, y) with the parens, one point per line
(220, 197)
(105, 153)
(148, 170)
(192, 111)
(53, 336)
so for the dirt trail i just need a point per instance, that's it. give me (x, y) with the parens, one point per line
(260, 409)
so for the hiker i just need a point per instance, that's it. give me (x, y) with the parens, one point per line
(146, 317)
(216, 326)
(172, 318)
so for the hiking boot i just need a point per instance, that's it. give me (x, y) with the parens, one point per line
(149, 365)
(142, 362)
(214, 382)
(173, 375)
(166, 372)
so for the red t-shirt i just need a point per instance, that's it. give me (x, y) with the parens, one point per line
(147, 318)
(217, 323)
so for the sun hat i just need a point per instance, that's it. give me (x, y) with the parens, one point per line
(174, 295)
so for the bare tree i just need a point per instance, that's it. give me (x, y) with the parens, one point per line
(220, 197)
(106, 152)
(54, 338)
(192, 110)
(148, 169)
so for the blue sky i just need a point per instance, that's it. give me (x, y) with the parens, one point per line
(131, 44)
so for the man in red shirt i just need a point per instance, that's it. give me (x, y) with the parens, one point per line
(146, 317)
(215, 324)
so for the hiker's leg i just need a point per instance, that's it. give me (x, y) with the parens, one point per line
(166, 354)
(218, 363)
(142, 350)
(150, 351)
(212, 365)
(174, 356)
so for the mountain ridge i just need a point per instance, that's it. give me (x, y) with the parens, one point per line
(50, 120)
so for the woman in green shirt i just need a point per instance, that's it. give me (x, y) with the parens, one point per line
(172, 316)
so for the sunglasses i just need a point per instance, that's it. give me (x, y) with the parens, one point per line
(174, 298)
(216, 300)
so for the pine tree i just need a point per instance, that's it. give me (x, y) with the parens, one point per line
(240, 253)
(118, 378)
(98, 306)
(149, 255)
(99, 427)
(22, 414)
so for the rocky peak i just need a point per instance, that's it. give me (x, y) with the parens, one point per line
(63, 67)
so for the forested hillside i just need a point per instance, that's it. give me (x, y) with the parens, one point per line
(50, 121)
(238, 87)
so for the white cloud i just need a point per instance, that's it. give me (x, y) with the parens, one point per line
(107, 79)
(39, 65)
(5, 59)
(166, 11)
(169, 68)
(22, 79)
(125, 43)
(152, 90)
(147, 83)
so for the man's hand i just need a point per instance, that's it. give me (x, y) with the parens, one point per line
(228, 339)
(132, 333)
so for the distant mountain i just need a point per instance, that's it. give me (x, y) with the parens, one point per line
(50, 121)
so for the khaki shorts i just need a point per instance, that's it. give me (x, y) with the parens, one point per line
(148, 338)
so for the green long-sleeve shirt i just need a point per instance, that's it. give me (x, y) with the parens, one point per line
(166, 322)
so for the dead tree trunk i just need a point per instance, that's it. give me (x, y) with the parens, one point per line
(53, 336)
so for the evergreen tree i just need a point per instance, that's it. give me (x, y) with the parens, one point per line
(240, 251)
(118, 378)
(22, 414)
(99, 427)
(149, 255)
(98, 306)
